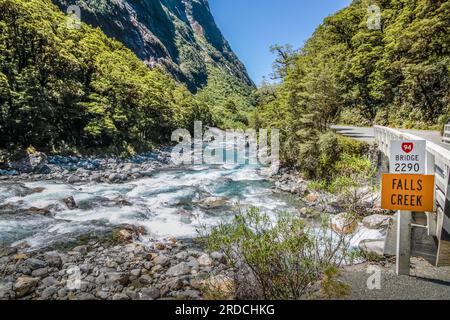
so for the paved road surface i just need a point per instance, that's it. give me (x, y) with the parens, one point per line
(367, 134)
(426, 282)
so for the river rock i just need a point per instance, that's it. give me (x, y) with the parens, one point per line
(135, 273)
(25, 285)
(162, 260)
(205, 261)
(120, 296)
(372, 247)
(95, 177)
(32, 162)
(181, 255)
(39, 273)
(124, 235)
(53, 259)
(73, 179)
(189, 295)
(81, 249)
(344, 224)
(127, 167)
(179, 270)
(145, 280)
(35, 263)
(48, 293)
(85, 296)
(113, 177)
(62, 292)
(212, 202)
(217, 256)
(117, 278)
(159, 246)
(376, 221)
(39, 211)
(171, 284)
(221, 284)
(312, 197)
(49, 281)
(20, 256)
(70, 203)
(150, 294)
(5, 290)
(193, 263)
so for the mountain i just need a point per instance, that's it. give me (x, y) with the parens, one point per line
(71, 90)
(180, 35)
(388, 65)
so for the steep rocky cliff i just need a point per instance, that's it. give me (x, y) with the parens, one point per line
(180, 35)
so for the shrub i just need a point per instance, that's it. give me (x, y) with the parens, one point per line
(353, 181)
(279, 258)
(350, 146)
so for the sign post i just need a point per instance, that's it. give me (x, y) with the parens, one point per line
(402, 266)
(407, 189)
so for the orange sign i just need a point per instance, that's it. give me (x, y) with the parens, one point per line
(408, 192)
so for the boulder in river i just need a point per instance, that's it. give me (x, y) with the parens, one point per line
(372, 247)
(70, 203)
(344, 223)
(376, 221)
(212, 202)
(32, 162)
(73, 179)
(39, 211)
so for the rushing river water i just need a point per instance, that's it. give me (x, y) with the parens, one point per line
(170, 203)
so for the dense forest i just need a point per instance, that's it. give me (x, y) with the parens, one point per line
(66, 89)
(346, 72)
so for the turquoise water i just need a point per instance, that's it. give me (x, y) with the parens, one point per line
(170, 203)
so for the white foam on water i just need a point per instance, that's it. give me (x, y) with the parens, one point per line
(165, 203)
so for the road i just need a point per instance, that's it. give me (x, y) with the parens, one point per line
(367, 134)
(425, 283)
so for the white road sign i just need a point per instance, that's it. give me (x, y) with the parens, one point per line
(408, 157)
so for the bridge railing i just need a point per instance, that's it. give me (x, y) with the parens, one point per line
(446, 136)
(438, 163)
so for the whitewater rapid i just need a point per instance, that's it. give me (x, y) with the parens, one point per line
(169, 203)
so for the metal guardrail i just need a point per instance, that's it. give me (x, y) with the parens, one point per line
(446, 136)
(438, 163)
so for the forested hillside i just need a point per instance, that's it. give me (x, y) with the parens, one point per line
(179, 35)
(62, 88)
(346, 72)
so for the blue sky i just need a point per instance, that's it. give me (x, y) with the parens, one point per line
(252, 26)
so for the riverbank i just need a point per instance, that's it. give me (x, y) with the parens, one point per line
(124, 270)
(129, 237)
(77, 169)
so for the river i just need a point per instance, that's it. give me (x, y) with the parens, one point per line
(171, 202)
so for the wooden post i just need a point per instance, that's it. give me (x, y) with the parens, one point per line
(403, 242)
